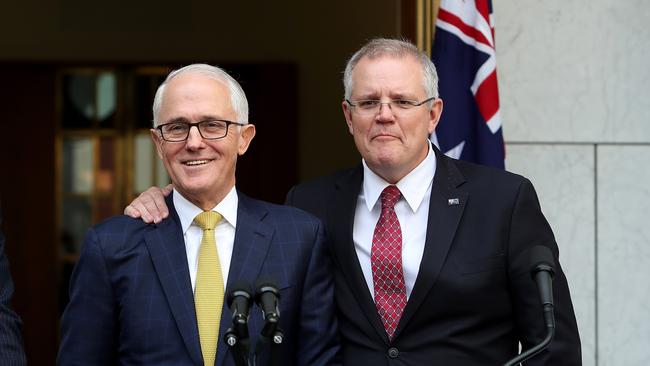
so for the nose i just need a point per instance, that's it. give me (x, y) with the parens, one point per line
(194, 139)
(385, 113)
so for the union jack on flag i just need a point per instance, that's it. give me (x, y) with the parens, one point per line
(464, 55)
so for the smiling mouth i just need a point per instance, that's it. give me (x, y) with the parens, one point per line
(196, 162)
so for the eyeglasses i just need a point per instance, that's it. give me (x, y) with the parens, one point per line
(212, 129)
(372, 106)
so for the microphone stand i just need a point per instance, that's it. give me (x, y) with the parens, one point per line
(550, 332)
(542, 273)
(270, 337)
(239, 347)
(236, 337)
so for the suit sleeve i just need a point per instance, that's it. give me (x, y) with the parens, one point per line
(529, 228)
(297, 197)
(318, 336)
(88, 327)
(11, 348)
(288, 200)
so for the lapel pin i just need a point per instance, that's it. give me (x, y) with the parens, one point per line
(453, 201)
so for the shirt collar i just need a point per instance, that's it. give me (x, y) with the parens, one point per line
(413, 186)
(187, 211)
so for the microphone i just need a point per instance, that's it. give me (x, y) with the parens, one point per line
(542, 270)
(236, 337)
(239, 302)
(267, 297)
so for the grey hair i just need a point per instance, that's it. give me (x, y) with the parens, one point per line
(397, 48)
(237, 95)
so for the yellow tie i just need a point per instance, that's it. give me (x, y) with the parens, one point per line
(208, 295)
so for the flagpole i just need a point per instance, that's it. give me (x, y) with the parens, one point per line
(434, 15)
(426, 13)
(419, 24)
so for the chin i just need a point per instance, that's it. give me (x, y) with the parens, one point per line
(381, 162)
(195, 186)
(384, 157)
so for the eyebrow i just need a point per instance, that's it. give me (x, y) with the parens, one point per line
(408, 96)
(368, 96)
(185, 120)
(392, 96)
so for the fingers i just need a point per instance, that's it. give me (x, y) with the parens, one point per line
(138, 210)
(149, 205)
(131, 211)
(155, 202)
(167, 190)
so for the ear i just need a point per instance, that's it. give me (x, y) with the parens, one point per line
(347, 112)
(245, 137)
(157, 139)
(434, 115)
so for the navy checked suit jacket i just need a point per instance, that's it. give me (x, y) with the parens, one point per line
(11, 347)
(131, 299)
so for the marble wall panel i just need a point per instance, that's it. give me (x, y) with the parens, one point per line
(563, 176)
(573, 71)
(623, 259)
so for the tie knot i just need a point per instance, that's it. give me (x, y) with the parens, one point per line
(389, 197)
(207, 220)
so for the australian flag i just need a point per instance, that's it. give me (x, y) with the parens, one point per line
(464, 55)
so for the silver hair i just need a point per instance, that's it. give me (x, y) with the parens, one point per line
(237, 95)
(397, 48)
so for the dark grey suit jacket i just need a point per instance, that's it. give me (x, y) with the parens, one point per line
(474, 298)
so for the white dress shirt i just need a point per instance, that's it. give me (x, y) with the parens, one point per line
(224, 232)
(412, 212)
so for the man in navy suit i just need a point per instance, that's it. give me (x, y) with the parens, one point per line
(134, 292)
(11, 347)
(458, 289)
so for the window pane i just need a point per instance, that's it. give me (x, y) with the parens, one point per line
(143, 100)
(78, 101)
(76, 219)
(77, 165)
(105, 180)
(162, 179)
(145, 87)
(106, 99)
(143, 163)
(103, 208)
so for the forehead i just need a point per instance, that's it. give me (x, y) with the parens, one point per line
(387, 75)
(194, 95)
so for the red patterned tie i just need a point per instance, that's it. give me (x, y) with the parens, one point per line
(386, 261)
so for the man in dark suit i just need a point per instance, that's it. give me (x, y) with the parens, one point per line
(467, 232)
(431, 255)
(11, 347)
(153, 294)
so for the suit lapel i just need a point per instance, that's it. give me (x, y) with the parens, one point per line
(167, 249)
(252, 241)
(444, 217)
(340, 234)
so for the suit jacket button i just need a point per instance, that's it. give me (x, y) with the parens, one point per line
(393, 352)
